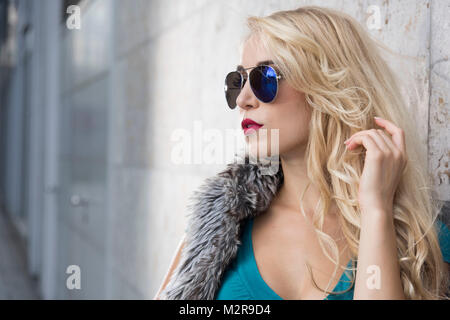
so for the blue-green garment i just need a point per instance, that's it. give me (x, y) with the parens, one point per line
(242, 280)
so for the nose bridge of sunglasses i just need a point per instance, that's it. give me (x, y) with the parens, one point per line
(244, 75)
(264, 70)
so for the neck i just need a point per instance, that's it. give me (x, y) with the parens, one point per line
(295, 182)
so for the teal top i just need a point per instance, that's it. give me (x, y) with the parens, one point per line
(242, 280)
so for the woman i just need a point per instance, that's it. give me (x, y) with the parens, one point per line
(362, 206)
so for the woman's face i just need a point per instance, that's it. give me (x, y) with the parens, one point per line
(288, 112)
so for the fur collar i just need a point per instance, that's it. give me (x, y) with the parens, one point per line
(219, 209)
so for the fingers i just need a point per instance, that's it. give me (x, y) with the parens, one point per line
(389, 144)
(398, 135)
(381, 142)
(377, 138)
(397, 141)
(367, 141)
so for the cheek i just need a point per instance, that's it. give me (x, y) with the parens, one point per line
(293, 134)
(294, 126)
(292, 119)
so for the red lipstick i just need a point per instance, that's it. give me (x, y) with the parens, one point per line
(248, 125)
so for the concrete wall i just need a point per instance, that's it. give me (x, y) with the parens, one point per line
(439, 117)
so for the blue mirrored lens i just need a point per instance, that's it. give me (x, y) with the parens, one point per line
(263, 80)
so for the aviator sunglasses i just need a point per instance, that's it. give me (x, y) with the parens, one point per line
(263, 82)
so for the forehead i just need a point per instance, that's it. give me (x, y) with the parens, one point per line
(253, 54)
(263, 62)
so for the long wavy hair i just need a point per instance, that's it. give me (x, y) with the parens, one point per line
(339, 66)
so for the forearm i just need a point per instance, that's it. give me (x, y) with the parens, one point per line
(377, 259)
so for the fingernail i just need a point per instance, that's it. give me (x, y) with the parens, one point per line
(377, 117)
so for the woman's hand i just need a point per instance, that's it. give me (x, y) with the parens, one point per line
(383, 166)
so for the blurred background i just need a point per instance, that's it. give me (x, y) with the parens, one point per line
(88, 108)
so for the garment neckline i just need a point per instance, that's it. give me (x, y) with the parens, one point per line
(262, 284)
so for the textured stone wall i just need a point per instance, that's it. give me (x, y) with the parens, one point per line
(439, 107)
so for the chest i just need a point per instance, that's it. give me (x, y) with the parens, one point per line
(285, 244)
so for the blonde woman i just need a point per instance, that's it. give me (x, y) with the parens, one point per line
(351, 220)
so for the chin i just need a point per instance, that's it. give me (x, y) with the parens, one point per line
(257, 148)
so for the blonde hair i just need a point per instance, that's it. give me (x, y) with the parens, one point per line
(337, 64)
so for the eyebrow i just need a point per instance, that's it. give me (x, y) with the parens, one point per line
(239, 67)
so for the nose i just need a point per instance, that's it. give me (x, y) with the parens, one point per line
(246, 99)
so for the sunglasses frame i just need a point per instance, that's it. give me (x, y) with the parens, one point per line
(246, 75)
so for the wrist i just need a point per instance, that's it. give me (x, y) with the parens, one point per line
(376, 215)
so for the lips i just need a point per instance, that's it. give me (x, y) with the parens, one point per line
(248, 125)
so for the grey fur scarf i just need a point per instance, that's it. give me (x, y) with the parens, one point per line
(219, 209)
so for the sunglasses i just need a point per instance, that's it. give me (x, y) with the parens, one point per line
(263, 82)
